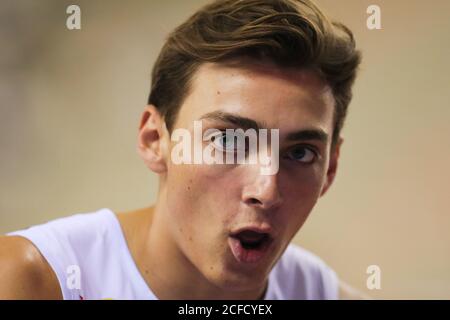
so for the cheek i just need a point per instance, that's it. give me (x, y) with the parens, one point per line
(300, 191)
(201, 209)
(204, 184)
(304, 182)
(200, 197)
(310, 184)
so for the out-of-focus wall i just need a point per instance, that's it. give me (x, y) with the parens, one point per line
(70, 103)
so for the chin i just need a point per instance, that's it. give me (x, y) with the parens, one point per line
(238, 280)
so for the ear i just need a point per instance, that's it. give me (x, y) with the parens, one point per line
(152, 140)
(332, 168)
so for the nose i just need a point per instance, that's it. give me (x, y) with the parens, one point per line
(263, 193)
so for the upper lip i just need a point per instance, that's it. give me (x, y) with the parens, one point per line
(265, 229)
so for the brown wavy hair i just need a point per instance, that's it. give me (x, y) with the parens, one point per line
(289, 33)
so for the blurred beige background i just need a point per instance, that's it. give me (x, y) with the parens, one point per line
(70, 103)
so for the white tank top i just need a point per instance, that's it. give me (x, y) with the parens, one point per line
(90, 257)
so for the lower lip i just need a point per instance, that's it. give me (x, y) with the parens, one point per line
(248, 255)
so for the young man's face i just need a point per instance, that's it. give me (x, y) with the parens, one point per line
(229, 220)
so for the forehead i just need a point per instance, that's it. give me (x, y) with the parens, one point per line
(278, 97)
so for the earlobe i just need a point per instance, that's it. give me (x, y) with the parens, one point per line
(332, 168)
(151, 140)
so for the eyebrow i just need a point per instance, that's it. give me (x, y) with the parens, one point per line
(233, 119)
(247, 123)
(309, 134)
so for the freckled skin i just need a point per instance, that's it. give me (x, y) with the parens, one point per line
(199, 205)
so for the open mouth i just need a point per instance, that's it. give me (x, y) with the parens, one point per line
(251, 239)
(249, 245)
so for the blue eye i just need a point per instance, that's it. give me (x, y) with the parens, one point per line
(302, 154)
(224, 141)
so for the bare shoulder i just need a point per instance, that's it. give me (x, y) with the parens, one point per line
(24, 272)
(347, 292)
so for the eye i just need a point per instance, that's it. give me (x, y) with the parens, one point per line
(302, 154)
(225, 141)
